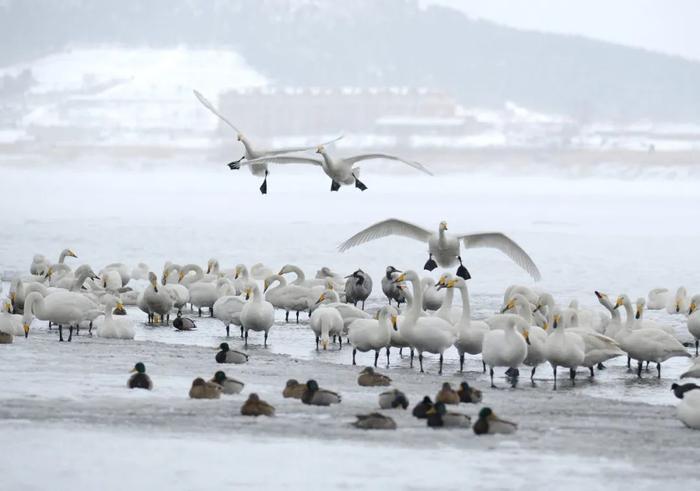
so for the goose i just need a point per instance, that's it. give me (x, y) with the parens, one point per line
(447, 310)
(62, 308)
(157, 300)
(183, 323)
(470, 334)
(694, 320)
(204, 390)
(505, 347)
(423, 333)
(114, 327)
(658, 298)
(421, 409)
(490, 424)
(349, 313)
(468, 394)
(293, 389)
(564, 349)
(392, 399)
(260, 167)
(227, 355)
(340, 170)
(374, 421)
(358, 288)
(228, 385)
(689, 409)
(438, 417)
(679, 303)
(444, 248)
(286, 297)
(598, 348)
(257, 314)
(369, 334)
(535, 336)
(693, 371)
(255, 406)
(369, 378)
(432, 297)
(139, 379)
(391, 290)
(228, 310)
(325, 322)
(644, 344)
(315, 396)
(447, 395)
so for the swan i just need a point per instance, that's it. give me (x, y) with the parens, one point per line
(286, 297)
(140, 272)
(260, 167)
(658, 298)
(370, 334)
(241, 278)
(391, 290)
(122, 270)
(424, 333)
(694, 320)
(228, 310)
(693, 371)
(11, 324)
(340, 170)
(40, 264)
(598, 348)
(564, 349)
(679, 303)
(470, 334)
(114, 327)
(432, 297)
(325, 273)
(300, 279)
(19, 290)
(589, 317)
(358, 288)
(259, 271)
(110, 280)
(640, 321)
(325, 322)
(645, 344)
(447, 310)
(444, 248)
(535, 336)
(531, 294)
(505, 347)
(62, 308)
(257, 314)
(349, 313)
(615, 323)
(157, 300)
(203, 293)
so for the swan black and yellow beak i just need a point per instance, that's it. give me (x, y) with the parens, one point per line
(393, 323)
(26, 330)
(618, 302)
(400, 278)
(508, 306)
(321, 298)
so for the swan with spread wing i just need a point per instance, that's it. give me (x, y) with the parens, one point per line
(251, 153)
(444, 248)
(340, 170)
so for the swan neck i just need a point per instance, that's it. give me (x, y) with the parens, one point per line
(466, 306)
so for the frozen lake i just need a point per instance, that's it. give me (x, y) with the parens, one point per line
(625, 234)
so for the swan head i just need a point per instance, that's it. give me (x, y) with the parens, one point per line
(139, 368)
(321, 298)
(70, 253)
(555, 321)
(526, 335)
(443, 226)
(153, 280)
(240, 137)
(248, 293)
(25, 326)
(7, 306)
(509, 306)
(394, 322)
(693, 308)
(621, 300)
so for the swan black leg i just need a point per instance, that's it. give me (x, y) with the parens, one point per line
(70, 333)
(246, 337)
(228, 329)
(60, 332)
(493, 386)
(697, 342)
(334, 186)
(241, 332)
(340, 343)
(376, 358)
(297, 317)
(572, 375)
(629, 363)
(658, 369)
(354, 352)
(420, 360)
(263, 186)
(484, 363)
(592, 373)
(199, 309)
(286, 317)
(430, 264)
(317, 348)
(440, 371)
(461, 362)
(601, 366)
(639, 369)
(532, 374)
(462, 271)
(411, 357)
(555, 376)
(387, 356)
(265, 341)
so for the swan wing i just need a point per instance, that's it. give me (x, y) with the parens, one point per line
(281, 151)
(385, 228)
(211, 107)
(500, 241)
(283, 159)
(370, 156)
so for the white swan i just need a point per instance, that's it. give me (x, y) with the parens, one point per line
(228, 310)
(470, 333)
(242, 279)
(693, 371)
(694, 320)
(122, 270)
(40, 264)
(62, 308)
(447, 310)
(257, 314)
(358, 287)
(259, 168)
(340, 170)
(325, 322)
(505, 347)
(203, 293)
(11, 324)
(679, 303)
(432, 297)
(259, 271)
(444, 248)
(615, 323)
(290, 298)
(535, 336)
(658, 298)
(564, 349)
(114, 327)
(349, 313)
(424, 333)
(140, 272)
(372, 334)
(640, 321)
(157, 300)
(646, 344)
(598, 348)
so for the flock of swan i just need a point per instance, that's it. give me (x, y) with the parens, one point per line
(420, 315)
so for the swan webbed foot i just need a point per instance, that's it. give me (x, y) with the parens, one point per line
(601, 366)
(360, 185)
(236, 164)
(462, 271)
(334, 186)
(430, 264)
(263, 186)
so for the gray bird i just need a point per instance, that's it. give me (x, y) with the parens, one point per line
(391, 289)
(358, 287)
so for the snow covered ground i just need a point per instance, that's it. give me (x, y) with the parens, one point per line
(65, 407)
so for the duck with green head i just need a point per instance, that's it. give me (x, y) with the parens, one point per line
(228, 385)
(227, 355)
(438, 417)
(139, 379)
(316, 396)
(490, 424)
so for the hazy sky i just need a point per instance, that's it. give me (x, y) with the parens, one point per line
(670, 26)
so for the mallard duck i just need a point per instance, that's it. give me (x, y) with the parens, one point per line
(293, 389)
(391, 399)
(183, 323)
(374, 421)
(369, 378)
(447, 395)
(139, 379)
(468, 394)
(422, 408)
(680, 390)
(438, 417)
(318, 397)
(227, 355)
(228, 385)
(255, 406)
(204, 390)
(490, 424)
